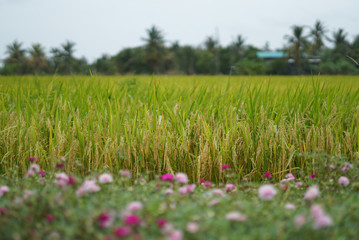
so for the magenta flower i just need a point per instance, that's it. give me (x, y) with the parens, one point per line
(122, 232)
(50, 218)
(224, 167)
(42, 173)
(207, 184)
(167, 177)
(267, 175)
(60, 165)
(71, 180)
(313, 176)
(105, 220)
(201, 180)
(3, 211)
(161, 222)
(32, 159)
(132, 220)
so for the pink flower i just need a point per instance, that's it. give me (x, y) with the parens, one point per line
(88, 186)
(3, 211)
(167, 177)
(169, 191)
(224, 167)
(213, 202)
(343, 181)
(323, 221)
(175, 235)
(34, 167)
(29, 173)
(28, 193)
(230, 187)
(125, 173)
(290, 177)
(236, 216)
(344, 169)
(316, 211)
(267, 175)
(192, 227)
(289, 206)
(266, 192)
(32, 159)
(299, 184)
(134, 206)
(62, 159)
(132, 220)
(181, 178)
(299, 221)
(182, 190)
(283, 187)
(50, 218)
(3, 190)
(105, 178)
(161, 222)
(218, 192)
(122, 232)
(331, 166)
(105, 220)
(313, 176)
(207, 184)
(60, 166)
(61, 180)
(42, 173)
(311, 193)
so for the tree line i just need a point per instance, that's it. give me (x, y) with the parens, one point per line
(303, 44)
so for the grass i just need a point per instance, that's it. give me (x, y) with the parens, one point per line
(178, 124)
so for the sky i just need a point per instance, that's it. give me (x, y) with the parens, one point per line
(107, 26)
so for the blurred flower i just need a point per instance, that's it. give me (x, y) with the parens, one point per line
(28, 193)
(105, 178)
(3, 211)
(134, 206)
(32, 159)
(323, 221)
(289, 206)
(236, 216)
(290, 177)
(60, 166)
(161, 222)
(331, 166)
(316, 211)
(213, 202)
(168, 191)
(61, 180)
(62, 159)
(192, 227)
(175, 235)
(344, 181)
(122, 232)
(29, 173)
(3, 190)
(299, 184)
(125, 173)
(313, 176)
(182, 190)
(167, 177)
(267, 175)
(299, 220)
(105, 220)
(132, 220)
(42, 173)
(207, 184)
(266, 192)
(34, 167)
(283, 187)
(218, 192)
(50, 218)
(230, 187)
(311, 193)
(88, 186)
(181, 178)
(224, 167)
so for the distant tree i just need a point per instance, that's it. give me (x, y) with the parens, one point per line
(16, 61)
(104, 65)
(68, 56)
(318, 32)
(210, 44)
(297, 44)
(154, 48)
(38, 61)
(341, 44)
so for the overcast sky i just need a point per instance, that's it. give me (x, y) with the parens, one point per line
(107, 26)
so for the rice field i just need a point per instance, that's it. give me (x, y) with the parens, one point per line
(169, 124)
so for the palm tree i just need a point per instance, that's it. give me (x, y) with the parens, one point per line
(38, 59)
(210, 44)
(238, 47)
(154, 48)
(341, 44)
(16, 58)
(67, 54)
(298, 43)
(317, 33)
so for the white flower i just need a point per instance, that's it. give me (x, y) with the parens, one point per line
(236, 216)
(344, 181)
(134, 206)
(181, 178)
(311, 193)
(105, 178)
